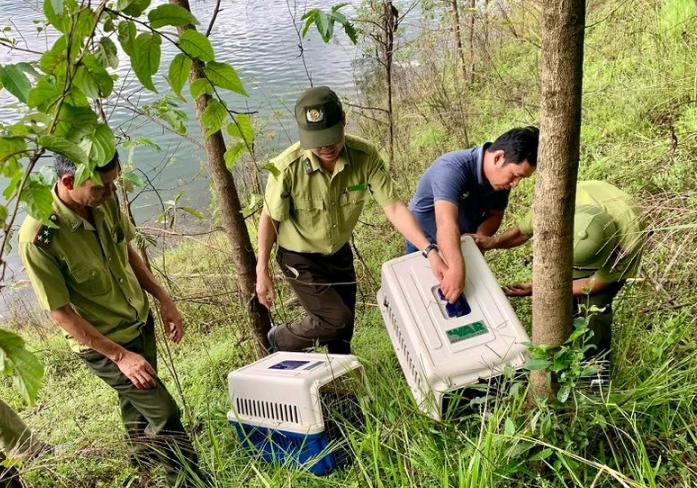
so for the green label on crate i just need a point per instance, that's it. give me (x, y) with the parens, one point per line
(466, 332)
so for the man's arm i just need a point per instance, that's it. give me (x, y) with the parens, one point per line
(133, 365)
(580, 287)
(405, 223)
(448, 237)
(491, 223)
(511, 238)
(268, 229)
(171, 317)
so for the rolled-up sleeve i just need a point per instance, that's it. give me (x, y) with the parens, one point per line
(380, 183)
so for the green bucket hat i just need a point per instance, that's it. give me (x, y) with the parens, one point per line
(595, 237)
(318, 113)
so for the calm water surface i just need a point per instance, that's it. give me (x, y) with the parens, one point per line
(257, 37)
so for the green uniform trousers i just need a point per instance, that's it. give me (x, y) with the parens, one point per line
(17, 440)
(152, 417)
(326, 288)
(598, 322)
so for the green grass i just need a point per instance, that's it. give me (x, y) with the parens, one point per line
(640, 87)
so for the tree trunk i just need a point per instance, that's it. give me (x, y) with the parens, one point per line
(473, 18)
(231, 216)
(555, 189)
(390, 19)
(457, 34)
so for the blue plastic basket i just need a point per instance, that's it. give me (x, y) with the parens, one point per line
(282, 447)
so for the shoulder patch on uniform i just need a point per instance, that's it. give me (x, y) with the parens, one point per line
(288, 157)
(359, 144)
(44, 235)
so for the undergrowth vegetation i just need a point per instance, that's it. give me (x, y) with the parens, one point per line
(639, 133)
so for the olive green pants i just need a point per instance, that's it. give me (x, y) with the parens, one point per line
(326, 288)
(598, 322)
(152, 417)
(17, 440)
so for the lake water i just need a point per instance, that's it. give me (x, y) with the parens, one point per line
(257, 37)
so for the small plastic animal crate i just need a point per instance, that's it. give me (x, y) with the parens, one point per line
(292, 408)
(441, 354)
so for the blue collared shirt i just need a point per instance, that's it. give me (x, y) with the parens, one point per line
(457, 177)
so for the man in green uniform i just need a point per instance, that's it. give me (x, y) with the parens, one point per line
(311, 208)
(92, 282)
(608, 241)
(17, 441)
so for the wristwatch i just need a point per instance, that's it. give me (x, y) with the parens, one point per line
(428, 249)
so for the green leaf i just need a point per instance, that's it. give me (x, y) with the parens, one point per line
(93, 79)
(192, 211)
(65, 147)
(323, 26)
(535, 364)
(39, 200)
(139, 141)
(53, 10)
(15, 81)
(99, 146)
(75, 122)
(510, 427)
(563, 393)
(199, 87)
(213, 116)
(146, 58)
(127, 36)
(11, 147)
(4, 213)
(196, 45)
(170, 14)
(224, 76)
(271, 168)
(179, 72)
(106, 53)
(28, 369)
(134, 8)
(50, 62)
(309, 19)
(243, 129)
(233, 154)
(133, 178)
(542, 455)
(43, 95)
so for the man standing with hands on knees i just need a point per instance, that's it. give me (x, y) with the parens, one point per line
(608, 241)
(310, 210)
(92, 282)
(466, 192)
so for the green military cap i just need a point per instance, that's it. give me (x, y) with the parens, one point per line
(595, 237)
(318, 113)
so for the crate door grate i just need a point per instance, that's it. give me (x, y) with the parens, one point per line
(281, 412)
(342, 411)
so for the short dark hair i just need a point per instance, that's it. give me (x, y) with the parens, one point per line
(65, 166)
(518, 145)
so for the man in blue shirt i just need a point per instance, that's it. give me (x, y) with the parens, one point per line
(466, 192)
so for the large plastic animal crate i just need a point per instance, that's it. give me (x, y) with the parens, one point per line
(294, 408)
(441, 355)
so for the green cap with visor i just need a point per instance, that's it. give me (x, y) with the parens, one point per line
(318, 113)
(595, 238)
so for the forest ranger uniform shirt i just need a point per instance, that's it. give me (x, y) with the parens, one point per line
(86, 266)
(317, 210)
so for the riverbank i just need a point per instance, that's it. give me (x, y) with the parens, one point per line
(639, 100)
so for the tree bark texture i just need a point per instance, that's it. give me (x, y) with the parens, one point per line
(555, 189)
(390, 20)
(231, 216)
(457, 35)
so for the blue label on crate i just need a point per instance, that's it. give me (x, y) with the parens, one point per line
(290, 364)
